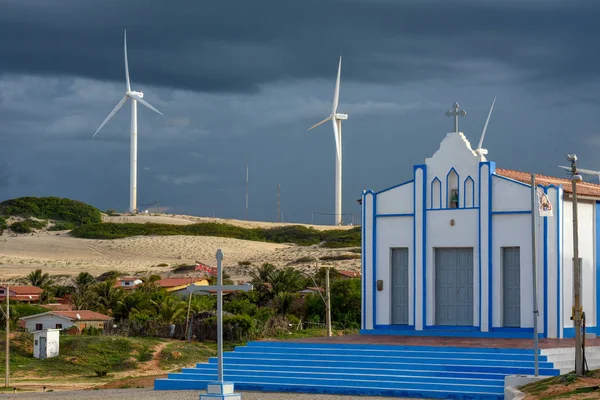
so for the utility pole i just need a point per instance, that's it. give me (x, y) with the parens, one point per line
(328, 303)
(7, 315)
(534, 211)
(575, 177)
(279, 202)
(187, 318)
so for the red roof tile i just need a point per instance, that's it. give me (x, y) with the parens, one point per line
(24, 290)
(583, 188)
(84, 315)
(349, 274)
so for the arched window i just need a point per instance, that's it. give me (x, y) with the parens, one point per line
(436, 193)
(452, 189)
(469, 193)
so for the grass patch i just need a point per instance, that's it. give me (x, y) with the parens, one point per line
(182, 354)
(302, 260)
(341, 257)
(79, 355)
(242, 263)
(295, 234)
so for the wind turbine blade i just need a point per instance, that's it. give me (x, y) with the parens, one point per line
(144, 102)
(337, 138)
(486, 124)
(319, 123)
(336, 94)
(588, 171)
(113, 112)
(126, 63)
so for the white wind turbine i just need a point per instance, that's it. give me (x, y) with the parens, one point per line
(583, 171)
(135, 98)
(480, 150)
(337, 133)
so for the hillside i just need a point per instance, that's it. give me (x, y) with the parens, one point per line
(59, 253)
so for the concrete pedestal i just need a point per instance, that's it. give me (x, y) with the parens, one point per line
(220, 390)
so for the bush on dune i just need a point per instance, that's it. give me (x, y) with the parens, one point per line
(295, 234)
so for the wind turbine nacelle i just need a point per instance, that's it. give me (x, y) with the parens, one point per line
(482, 151)
(341, 116)
(140, 94)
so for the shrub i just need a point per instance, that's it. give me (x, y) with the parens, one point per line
(109, 276)
(340, 257)
(242, 306)
(241, 263)
(236, 328)
(184, 268)
(51, 208)
(62, 226)
(27, 226)
(91, 331)
(299, 235)
(3, 224)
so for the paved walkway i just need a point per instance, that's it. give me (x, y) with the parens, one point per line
(445, 341)
(149, 394)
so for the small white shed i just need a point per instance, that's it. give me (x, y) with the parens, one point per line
(46, 343)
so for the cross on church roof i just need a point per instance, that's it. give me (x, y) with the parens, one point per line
(456, 113)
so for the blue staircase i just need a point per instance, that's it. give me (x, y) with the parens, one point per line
(364, 369)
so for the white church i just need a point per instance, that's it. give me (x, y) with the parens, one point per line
(449, 252)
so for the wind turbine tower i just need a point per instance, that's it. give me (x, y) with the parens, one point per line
(336, 119)
(135, 97)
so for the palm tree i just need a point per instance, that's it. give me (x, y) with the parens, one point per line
(83, 281)
(108, 294)
(170, 310)
(286, 280)
(39, 279)
(261, 274)
(283, 302)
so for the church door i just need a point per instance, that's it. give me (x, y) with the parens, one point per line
(400, 286)
(511, 271)
(454, 287)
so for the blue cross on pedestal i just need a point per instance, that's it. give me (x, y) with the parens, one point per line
(219, 389)
(456, 112)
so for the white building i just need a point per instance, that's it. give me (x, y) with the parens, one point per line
(80, 319)
(46, 343)
(449, 252)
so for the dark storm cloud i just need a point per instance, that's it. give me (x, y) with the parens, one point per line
(235, 46)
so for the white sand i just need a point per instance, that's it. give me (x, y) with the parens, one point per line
(60, 254)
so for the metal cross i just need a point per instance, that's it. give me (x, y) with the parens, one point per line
(456, 113)
(219, 288)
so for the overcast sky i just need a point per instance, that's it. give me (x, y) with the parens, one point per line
(243, 80)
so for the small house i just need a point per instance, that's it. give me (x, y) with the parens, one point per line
(46, 343)
(80, 319)
(178, 285)
(23, 294)
(127, 282)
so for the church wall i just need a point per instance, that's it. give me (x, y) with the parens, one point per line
(587, 241)
(515, 230)
(510, 195)
(441, 233)
(368, 215)
(393, 232)
(396, 200)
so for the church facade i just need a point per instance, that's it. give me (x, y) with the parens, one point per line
(449, 252)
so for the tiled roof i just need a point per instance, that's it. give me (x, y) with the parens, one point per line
(24, 290)
(349, 274)
(583, 188)
(84, 315)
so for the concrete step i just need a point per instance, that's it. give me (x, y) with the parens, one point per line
(323, 387)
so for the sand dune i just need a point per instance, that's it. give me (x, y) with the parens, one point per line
(61, 254)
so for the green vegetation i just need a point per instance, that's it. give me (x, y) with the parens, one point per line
(62, 226)
(296, 234)
(561, 387)
(340, 257)
(180, 354)
(79, 355)
(28, 225)
(53, 208)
